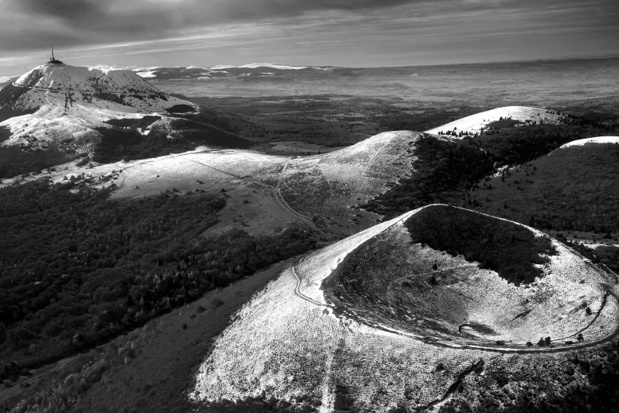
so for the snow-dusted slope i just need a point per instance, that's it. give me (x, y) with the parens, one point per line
(597, 139)
(67, 102)
(264, 192)
(293, 340)
(272, 66)
(478, 122)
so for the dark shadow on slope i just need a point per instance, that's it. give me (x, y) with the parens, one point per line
(180, 109)
(507, 248)
(144, 122)
(128, 144)
(14, 161)
(5, 133)
(384, 283)
(443, 172)
(8, 96)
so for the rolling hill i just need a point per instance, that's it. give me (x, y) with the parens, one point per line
(380, 320)
(480, 122)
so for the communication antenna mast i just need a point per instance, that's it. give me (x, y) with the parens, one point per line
(53, 58)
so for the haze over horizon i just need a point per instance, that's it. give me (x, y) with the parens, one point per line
(354, 33)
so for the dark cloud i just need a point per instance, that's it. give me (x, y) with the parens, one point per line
(123, 20)
(98, 22)
(340, 27)
(147, 17)
(281, 8)
(74, 11)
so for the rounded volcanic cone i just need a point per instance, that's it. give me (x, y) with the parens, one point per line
(370, 320)
(457, 275)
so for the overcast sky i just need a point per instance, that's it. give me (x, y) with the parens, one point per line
(302, 32)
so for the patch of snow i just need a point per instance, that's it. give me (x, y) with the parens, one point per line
(111, 67)
(597, 139)
(257, 65)
(221, 67)
(146, 75)
(274, 66)
(478, 122)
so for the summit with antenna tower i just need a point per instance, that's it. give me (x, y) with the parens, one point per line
(53, 59)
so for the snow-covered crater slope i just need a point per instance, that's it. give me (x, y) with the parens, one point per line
(479, 122)
(299, 340)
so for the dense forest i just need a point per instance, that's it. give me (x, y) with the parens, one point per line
(78, 268)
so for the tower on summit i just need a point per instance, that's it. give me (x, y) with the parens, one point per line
(53, 59)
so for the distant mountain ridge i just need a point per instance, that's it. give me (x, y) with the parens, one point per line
(192, 72)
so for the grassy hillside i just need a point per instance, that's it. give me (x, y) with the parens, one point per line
(576, 188)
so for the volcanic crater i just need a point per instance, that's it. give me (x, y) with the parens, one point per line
(450, 275)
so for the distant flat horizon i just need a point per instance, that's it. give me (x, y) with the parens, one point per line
(4, 78)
